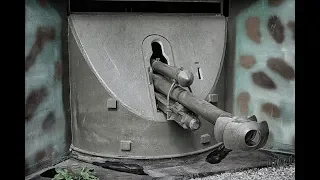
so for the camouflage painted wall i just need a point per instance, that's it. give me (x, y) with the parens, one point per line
(264, 68)
(46, 129)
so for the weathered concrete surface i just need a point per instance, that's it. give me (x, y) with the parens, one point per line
(188, 167)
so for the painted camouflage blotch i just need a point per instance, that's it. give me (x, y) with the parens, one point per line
(243, 103)
(34, 99)
(58, 70)
(272, 110)
(44, 34)
(292, 26)
(253, 29)
(280, 67)
(44, 156)
(247, 61)
(275, 2)
(49, 121)
(276, 29)
(262, 80)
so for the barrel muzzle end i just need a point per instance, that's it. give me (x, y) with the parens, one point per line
(241, 133)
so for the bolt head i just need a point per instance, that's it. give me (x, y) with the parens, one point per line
(205, 138)
(194, 124)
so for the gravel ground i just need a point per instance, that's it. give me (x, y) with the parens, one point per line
(286, 172)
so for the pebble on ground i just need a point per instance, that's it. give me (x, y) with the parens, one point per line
(286, 172)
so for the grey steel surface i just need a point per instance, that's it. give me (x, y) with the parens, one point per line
(112, 45)
(107, 60)
(98, 131)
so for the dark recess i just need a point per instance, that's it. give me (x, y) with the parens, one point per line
(82, 6)
(50, 173)
(225, 8)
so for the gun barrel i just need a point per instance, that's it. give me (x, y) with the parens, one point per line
(243, 133)
(201, 107)
(183, 77)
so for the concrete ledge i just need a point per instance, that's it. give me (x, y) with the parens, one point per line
(179, 168)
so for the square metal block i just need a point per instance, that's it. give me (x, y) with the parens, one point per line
(111, 103)
(212, 98)
(125, 145)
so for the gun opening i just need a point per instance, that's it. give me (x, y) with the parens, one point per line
(157, 52)
(252, 138)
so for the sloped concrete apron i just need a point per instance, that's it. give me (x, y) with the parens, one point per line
(178, 168)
